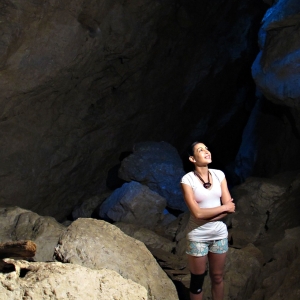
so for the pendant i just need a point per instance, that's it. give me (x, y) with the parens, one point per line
(207, 185)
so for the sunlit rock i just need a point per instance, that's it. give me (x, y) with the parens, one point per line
(97, 244)
(57, 281)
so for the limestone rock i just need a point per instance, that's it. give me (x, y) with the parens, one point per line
(159, 166)
(57, 281)
(97, 244)
(20, 224)
(86, 209)
(148, 237)
(180, 234)
(133, 203)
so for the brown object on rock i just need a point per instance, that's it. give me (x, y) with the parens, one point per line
(17, 249)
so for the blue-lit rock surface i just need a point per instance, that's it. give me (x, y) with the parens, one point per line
(133, 203)
(159, 166)
(276, 69)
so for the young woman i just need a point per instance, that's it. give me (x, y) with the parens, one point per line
(207, 196)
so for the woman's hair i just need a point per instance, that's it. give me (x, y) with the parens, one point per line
(191, 148)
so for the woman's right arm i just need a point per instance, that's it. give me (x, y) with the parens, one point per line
(203, 213)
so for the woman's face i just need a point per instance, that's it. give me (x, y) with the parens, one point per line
(201, 155)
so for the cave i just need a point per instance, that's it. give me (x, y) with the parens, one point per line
(83, 82)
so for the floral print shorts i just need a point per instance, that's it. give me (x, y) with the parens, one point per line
(202, 248)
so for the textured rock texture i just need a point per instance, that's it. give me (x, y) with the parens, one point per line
(133, 203)
(276, 69)
(97, 244)
(19, 224)
(57, 281)
(272, 140)
(148, 237)
(280, 277)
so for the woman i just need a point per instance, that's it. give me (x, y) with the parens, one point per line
(207, 196)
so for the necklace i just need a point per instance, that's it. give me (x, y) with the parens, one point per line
(207, 185)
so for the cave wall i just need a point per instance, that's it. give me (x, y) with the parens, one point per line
(82, 81)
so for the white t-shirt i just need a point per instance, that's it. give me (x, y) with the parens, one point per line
(202, 230)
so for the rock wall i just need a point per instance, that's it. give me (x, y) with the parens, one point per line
(82, 81)
(72, 78)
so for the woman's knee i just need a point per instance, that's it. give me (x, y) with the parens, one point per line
(216, 278)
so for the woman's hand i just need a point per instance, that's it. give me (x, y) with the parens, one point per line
(230, 206)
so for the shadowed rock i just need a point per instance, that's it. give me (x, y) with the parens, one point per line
(19, 224)
(133, 203)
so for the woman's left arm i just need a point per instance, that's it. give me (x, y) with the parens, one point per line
(225, 195)
(225, 198)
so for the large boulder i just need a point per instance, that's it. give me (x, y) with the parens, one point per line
(57, 281)
(275, 69)
(133, 203)
(148, 237)
(88, 206)
(97, 244)
(270, 142)
(159, 166)
(20, 224)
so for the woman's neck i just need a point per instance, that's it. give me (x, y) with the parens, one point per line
(203, 171)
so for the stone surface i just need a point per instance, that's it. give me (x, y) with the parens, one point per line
(275, 69)
(97, 244)
(242, 272)
(133, 203)
(257, 201)
(148, 237)
(287, 206)
(276, 74)
(57, 281)
(159, 166)
(280, 276)
(20, 224)
(87, 207)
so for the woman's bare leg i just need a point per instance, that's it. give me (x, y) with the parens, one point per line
(216, 272)
(197, 265)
